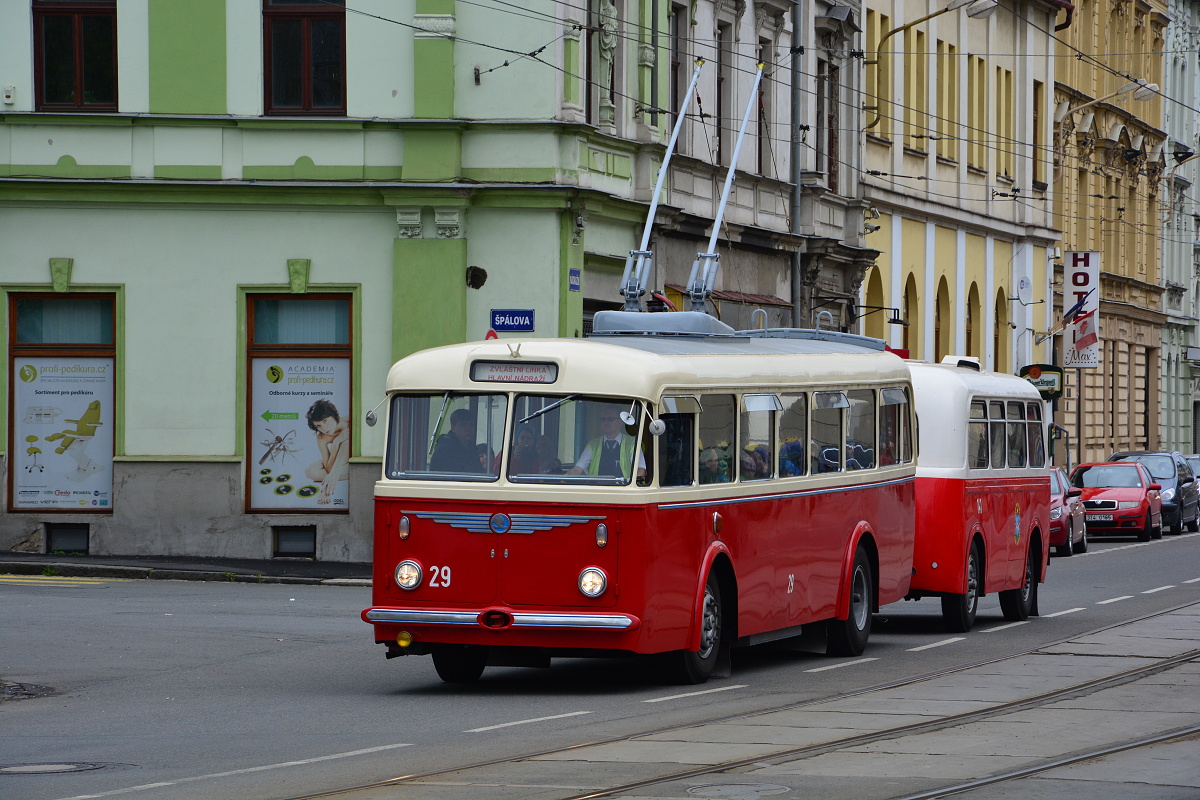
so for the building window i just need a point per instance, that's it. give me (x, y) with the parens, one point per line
(299, 422)
(681, 70)
(304, 52)
(75, 55)
(829, 94)
(724, 145)
(947, 101)
(61, 392)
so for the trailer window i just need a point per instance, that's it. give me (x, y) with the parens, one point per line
(1037, 436)
(977, 438)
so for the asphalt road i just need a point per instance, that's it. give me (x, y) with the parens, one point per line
(198, 690)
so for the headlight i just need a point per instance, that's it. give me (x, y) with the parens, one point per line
(408, 575)
(1128, 504)
(1166, 495)
(592, 582)
(1056, 513)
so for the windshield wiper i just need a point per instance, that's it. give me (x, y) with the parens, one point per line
(442, 413)
(550, 407)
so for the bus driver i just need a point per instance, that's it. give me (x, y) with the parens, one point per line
(610, 453)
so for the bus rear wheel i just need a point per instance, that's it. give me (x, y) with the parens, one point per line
(459, 663)
(1018, 603)
(848, 637)
(958, 610)
(687, 667)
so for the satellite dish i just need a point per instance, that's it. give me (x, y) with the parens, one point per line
(1025, 290)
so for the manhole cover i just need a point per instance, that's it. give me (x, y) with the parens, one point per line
(737, 791)
(45, 769)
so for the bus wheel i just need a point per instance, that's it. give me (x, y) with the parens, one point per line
(848, 637)
(958, 610)
(687, 667)
(1017, 603)
(459, 663)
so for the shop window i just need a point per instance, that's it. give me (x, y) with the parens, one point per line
(61, 392)
(75, 55)
(299, 406)
(304, 52)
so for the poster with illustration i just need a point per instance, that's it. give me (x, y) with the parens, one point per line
(300, 433)
(62, 448)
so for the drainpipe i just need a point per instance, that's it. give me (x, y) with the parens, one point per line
(797, 158)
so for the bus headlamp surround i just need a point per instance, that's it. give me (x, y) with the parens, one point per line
(408, 575)
(593, 582)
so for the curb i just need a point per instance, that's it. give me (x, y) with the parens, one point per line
(70, 570)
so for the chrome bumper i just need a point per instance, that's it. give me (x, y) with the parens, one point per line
(612, 622)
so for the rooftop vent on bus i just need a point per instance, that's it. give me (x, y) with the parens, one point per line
(966, 362)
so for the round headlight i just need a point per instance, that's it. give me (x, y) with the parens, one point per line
(408, 574)
(592, 582)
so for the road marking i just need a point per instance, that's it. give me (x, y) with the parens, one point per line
(695, 694)
(1005, 627)
(1062, 613)
(526, 721)
(54, 580)
(843, 664)
(1159, 589)
(1193, 580)
(1115, 599)
(935, 644)
(245, 771)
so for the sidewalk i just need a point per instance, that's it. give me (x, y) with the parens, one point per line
(185, 568)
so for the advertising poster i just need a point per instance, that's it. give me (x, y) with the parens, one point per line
(62, 449)
(300, 434)
(1081, 309)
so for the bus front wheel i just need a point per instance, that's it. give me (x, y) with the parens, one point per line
(689, 667)
(459, 663)
(958, 610)
(848, 637)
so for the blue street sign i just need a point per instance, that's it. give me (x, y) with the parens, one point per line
(575, 281)
(512, 319)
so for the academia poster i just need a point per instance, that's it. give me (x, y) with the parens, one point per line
(300, 434)
(62, 449)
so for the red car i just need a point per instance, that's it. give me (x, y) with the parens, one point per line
(1120, 497)
(1068, 526)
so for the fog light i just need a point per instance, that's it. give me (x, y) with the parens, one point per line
(404, 638)
(592, 582)
(404, 527)
(408, 575)
(601, 535)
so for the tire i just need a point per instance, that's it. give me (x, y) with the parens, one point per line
(958, 610)
(1147, 533)
(1194, 525)
(1067, 550)
(1157, 533)
(1017, 603)
(459, 663)
(687, 667)
(848, 637)
(1083, 542)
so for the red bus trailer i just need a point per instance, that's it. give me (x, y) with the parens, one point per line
(667, 486)
(983, 490)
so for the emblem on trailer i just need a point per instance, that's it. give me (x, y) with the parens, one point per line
(500, 523)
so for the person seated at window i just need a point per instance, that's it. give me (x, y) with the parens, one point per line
(456, 450)
(523, 458)
(714, 466)
(791, 459)
(611, 453)
(548, 461)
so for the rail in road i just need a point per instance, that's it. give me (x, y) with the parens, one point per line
(1128, 691)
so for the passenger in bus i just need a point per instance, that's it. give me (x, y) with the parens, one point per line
(791, 459)
(548, 461)
(523, 460)
(610, 453)
(714, 466)
(456, 450)
(487, 457)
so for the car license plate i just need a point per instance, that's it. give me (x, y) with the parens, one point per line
(1100, 517)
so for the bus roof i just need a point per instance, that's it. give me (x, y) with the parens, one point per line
(646, 365)
(943, 384)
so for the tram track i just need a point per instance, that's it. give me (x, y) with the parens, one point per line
(780, 755)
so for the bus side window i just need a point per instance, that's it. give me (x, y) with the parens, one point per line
(893, 426)
(1037, 436)
(756, 442)
(977, 438)
(860, 433)
(827, 438)
(996, 434)
(716, 438)
(1018, 436)
(793, 433)
(676, 447)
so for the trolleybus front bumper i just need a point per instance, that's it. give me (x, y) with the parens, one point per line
(520, 619)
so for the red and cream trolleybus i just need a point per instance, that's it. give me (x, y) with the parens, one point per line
(983, 490)
(666, 486)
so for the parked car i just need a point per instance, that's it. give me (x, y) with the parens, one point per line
(1180, 492)
(1068, 523)
(1194, 462)
(1119, 498)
